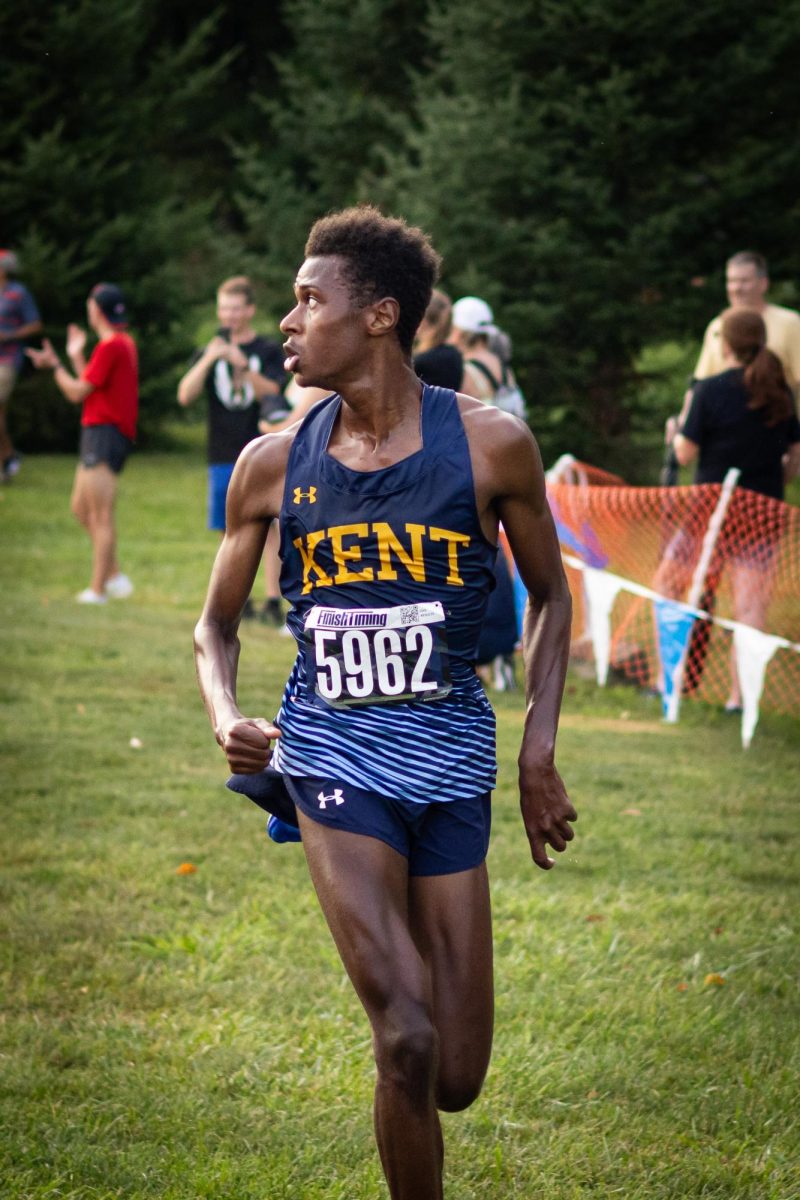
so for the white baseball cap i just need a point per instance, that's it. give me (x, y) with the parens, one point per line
(473, 315)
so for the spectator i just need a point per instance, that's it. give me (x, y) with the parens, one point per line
(107, 387)
(487, 375)
(473, 324)
(19, 319)
(242, 374)
(744, 417)
(747, 282)
(437, 361)
(498, 640)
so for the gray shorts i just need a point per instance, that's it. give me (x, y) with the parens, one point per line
(104, 444)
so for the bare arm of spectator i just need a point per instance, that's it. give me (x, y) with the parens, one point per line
(307, 401)
(46, 359)
(191, 384)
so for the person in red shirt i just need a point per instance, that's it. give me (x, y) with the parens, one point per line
(107, 386)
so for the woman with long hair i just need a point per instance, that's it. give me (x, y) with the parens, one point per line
(436, 361)
(745, 418)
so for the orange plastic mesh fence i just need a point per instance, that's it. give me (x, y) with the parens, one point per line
(570, 470)
(654, 537)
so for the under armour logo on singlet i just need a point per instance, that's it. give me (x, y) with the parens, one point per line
(337, 796)
(310, 495)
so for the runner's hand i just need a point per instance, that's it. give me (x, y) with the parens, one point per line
(546, 810)
(247, 744)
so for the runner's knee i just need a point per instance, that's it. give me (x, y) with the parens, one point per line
(406, 1052)
(456, 1090)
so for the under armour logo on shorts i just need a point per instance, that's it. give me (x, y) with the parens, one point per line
(310, 495)
(337, 796)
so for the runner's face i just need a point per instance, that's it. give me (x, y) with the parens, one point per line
(745, 286)
(325, 330)
(234, 313)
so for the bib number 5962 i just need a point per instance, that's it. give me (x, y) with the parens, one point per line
(390, 662)
(377, 656)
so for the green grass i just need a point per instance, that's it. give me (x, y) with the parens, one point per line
(194, 1036)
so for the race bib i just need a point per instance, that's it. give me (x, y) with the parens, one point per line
(358, 656)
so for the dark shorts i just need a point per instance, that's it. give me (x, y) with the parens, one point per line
(219, 476)
(104, 444)
(437, 839)
(440, 838)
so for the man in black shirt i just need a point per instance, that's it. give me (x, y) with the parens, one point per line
(243, 376)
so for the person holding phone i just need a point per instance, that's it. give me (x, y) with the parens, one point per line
(242, 375)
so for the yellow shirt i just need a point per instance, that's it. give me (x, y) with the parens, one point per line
(783, 338)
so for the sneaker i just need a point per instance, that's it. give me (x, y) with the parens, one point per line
(119, 587)
(11, 467)
(281, 831)
(272, 613)
(248, 612)
(88, 596)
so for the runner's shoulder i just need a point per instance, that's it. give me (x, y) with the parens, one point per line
(492, 429)
(267, 456)
(505, 457)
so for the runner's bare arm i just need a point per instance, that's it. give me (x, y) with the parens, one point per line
(510, 481)
(254, 498)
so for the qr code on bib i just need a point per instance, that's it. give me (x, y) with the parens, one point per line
(409, 614)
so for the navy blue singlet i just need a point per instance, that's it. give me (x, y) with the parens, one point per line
(388, 573)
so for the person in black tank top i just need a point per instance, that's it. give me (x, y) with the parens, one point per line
(436, 361)
(390, 499)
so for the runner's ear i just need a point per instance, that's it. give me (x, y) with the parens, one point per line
(382, 316)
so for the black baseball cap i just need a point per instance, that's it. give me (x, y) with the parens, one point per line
(111, 302)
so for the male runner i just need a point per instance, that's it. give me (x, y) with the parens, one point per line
(389, 496)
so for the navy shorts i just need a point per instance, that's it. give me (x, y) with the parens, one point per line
(439, 838)
(219, 476)
(104, 444)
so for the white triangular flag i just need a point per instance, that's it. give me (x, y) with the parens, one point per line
(754, 649)
(601, 591)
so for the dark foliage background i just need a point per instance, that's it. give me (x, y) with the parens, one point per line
(586, 167)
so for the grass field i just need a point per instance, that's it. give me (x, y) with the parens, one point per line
(192, 1035)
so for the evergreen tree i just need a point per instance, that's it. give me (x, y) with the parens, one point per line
(106, 122)
(579, 164)
(345, 83)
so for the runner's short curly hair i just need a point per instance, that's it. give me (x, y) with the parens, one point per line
(385, 257)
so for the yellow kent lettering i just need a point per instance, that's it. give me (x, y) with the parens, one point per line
(342, 555)
(388, 544)
(382, 546)
(453, 541)
(306, 546)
